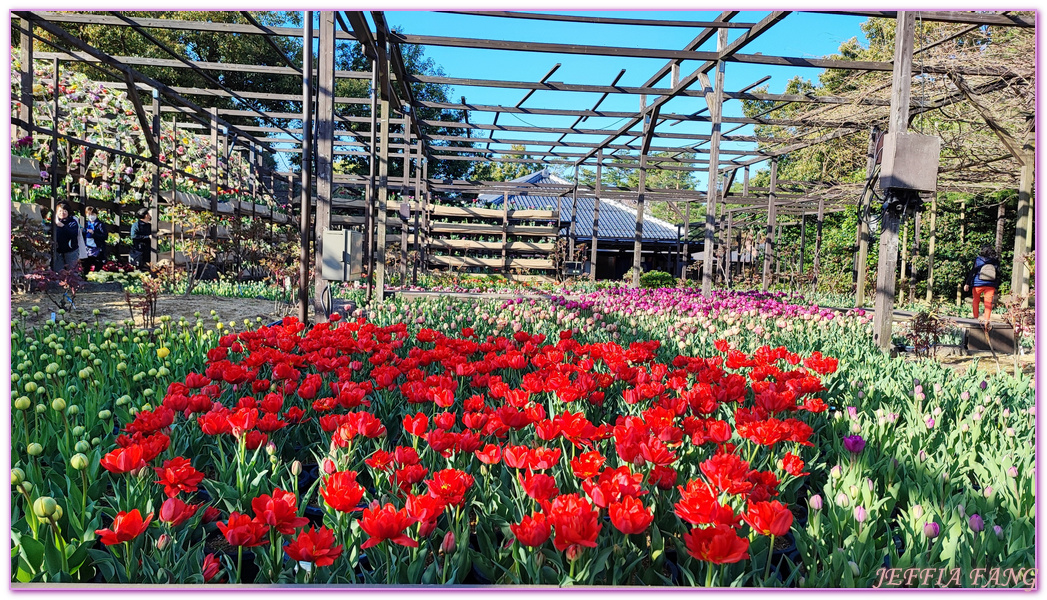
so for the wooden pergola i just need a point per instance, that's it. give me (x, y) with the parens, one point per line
(634, 144)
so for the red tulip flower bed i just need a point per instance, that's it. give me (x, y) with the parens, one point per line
(352, 453)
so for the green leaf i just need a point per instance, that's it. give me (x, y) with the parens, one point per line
(52, 558)
(33, 551)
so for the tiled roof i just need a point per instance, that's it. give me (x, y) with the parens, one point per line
(617, 221)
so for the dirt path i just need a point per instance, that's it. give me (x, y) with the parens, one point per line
(113, 307)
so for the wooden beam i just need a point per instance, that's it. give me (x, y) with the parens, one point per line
(306, 172)
(1019, 268)
(861, 263)
(596, 216)
(143, 120)
(601, 20)
(944, 16)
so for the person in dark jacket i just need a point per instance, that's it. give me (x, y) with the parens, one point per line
(95, 237)
(983, 280)
(141, 233)
(67, 238)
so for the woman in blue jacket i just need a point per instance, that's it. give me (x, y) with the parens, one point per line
(983, 280)
(67, 238)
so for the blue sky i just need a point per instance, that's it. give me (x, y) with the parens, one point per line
(819, 35)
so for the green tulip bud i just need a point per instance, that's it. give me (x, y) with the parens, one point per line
(82, 446)
(17, 476)
(58, 513)
(79, 429)
(151, 372)
(121, 366)
(63, 373)
(44, 507)
(27, 487)
(97, 362)
(163, 372)
(96, 312)
(40, 409)
(31, 387)
(78, 462)
(51, 368)
(34, 449)
(96, 441)
(147, 392)
(104, 415)
(15, 377)
(22, 403)
(58, 404)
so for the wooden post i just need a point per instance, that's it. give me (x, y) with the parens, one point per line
(505, 233)
(596, 215)
(213, 231)
(405, 184)
(769, 240)
(25, 111)
(325, 84)
(727, 257)
(913, 256)
(383, 193)
(425, 216)
(899, 122)
(932, 238)
(154, 208)
(685, 250)
(307, 159)
(803, 240)
(715, 117)
(174, 187)
(369, 191)
(861, 263)
(638, 239)
(1019, 269)
(777, 252)
(905, 253)
(574, 213)
(417, 210)
(54, 163)
(1001, 215)
(818, 243)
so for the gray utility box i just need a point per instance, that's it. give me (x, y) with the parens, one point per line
(572, 268)
(910, 162)
(343, 255)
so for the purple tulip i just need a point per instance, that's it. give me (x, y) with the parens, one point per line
(931, 530)
(998, 531)
(815, 502)
(976, 523)
(983, 385)
(854, 443)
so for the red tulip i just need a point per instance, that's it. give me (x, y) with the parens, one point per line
(341, 491)
(516, 457)
(416, 425)
(769, 518)
(575, 522)
(698, 505)
(177, 475)
(314, 546)
(728, 473)
(793, 465)
(719, 544)
(450, 485)
(629, 516)
(587, 465)
(490, 455)
(174, 512)
(124, 460)
(532, 531)
(210, 568)
(278, 511)
(242, 530)
(539, 486)
(126, 527)
(386, 523)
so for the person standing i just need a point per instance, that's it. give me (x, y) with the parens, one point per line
(95, 236)
(983, 280)
(67, 238)
(141, 233)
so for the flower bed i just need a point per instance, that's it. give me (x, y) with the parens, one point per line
(943, 478)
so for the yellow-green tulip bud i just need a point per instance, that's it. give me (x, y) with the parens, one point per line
(104, 415)
(31, 387)
(58, 404)
(79, 429)
(82, 446)
(40, 409)
(17, 476)
(34, 449)
(44, 507)
(78, 462)
(22, 403)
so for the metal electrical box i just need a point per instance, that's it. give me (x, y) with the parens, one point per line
(910, 162)
(572, 268)
(343, 255)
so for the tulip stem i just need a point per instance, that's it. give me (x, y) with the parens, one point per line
(709, 576)
(770, 554)
(239, 562)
